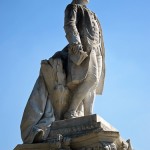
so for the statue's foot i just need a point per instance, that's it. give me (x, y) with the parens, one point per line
(70, 115)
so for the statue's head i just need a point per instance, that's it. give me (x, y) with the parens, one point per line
(82, 2)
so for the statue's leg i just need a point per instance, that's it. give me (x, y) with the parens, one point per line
(82, 90)
(88, 102)
(90, 97)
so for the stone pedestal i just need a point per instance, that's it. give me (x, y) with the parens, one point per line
(84, 133)
(40, 146)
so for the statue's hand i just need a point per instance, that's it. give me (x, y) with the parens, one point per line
(77, 48)
(76, 53)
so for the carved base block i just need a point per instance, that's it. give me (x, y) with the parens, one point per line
(84, 133)
(40, 146)
(96, 146)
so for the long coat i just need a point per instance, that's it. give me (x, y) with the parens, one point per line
(79, 29)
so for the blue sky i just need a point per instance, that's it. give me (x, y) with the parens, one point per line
(32, 30)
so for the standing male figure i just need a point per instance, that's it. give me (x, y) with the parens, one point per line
(86, 68)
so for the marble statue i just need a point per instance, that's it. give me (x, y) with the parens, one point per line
(69, 80)
(86, 68)
(59, 112)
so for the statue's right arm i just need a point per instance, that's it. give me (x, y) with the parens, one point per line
(70, 22)
(76, 53)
